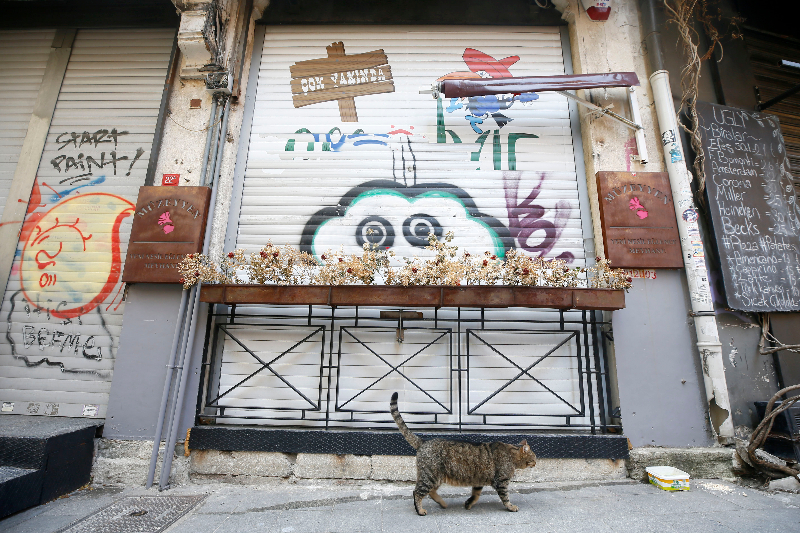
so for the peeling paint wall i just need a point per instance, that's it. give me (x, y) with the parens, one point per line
(751, 376)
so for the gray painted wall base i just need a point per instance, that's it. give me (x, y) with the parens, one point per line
(660, 384)
(141, 363)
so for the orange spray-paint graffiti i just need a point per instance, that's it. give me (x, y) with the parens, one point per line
(71, 260)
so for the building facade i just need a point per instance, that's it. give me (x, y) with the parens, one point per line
(315, 125)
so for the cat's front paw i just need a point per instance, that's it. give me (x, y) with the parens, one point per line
(511, 507)
(421, 511)
(469, 503)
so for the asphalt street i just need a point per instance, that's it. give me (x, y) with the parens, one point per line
(330, 506)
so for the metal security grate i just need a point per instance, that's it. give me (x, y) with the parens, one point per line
(473, 369)
(136, 514)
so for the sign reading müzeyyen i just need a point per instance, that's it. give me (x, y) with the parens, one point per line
(753, 208)
(638, 219)
(341, 77)
(169, 223)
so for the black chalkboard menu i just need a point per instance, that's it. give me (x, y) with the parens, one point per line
(753, 208)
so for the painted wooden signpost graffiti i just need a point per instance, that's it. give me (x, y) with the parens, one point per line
(341, 77)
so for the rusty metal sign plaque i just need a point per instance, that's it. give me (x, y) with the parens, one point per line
(638, 220)
(169, 223)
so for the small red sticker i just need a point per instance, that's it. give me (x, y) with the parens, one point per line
(170, 179)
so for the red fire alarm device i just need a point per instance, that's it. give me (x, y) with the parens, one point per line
(170, 179)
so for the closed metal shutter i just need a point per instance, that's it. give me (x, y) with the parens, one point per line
(498, 173)
(63, 305)
(766, 52)
(23, 57)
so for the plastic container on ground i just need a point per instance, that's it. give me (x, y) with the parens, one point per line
(668, 477)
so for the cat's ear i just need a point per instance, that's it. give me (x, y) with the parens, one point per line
(524, 442)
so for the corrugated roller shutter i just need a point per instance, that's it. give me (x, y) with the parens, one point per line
(498, 172)
(23, 57)
(766, 53)
(63, 305)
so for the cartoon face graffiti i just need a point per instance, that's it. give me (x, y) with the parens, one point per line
(391, 215)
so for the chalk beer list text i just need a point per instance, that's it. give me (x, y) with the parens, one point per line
(753, 208)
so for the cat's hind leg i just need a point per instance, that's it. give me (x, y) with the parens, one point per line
(438, 499)
(425, 485)
(472, 500)
(418, 497)
(502, 491)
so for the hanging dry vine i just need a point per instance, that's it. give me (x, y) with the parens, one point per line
(770, 468)
(685, 14)
(766, 336)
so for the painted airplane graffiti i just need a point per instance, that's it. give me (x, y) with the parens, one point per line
(481, 108)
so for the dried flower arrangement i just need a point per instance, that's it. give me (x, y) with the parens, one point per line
(288, 266)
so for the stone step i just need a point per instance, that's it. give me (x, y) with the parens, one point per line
(43, 458)
(20, 488)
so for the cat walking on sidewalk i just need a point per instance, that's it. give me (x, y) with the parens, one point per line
(463, 464)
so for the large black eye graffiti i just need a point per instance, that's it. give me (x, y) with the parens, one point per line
(417, 227)
(375, 230)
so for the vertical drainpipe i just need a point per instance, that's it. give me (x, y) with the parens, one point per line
(708, 343)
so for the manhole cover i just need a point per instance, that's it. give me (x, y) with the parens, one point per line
(135, 514)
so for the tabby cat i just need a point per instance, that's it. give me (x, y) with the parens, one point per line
(463, 464)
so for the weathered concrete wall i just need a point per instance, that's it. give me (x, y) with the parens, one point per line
(653, 337)
(149, 325)
(259, 467)
(125, 463)
(699, 463)
(612, 46)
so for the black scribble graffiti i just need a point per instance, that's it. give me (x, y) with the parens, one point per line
(414, 158)
(43, 360)
(87, 163)
(108, 332)
(84, 162)
(93, 139)
(139, 152)
(413, 171)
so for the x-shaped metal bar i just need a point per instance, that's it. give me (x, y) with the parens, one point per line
(266, 365)
(523, 372)
(393, 369)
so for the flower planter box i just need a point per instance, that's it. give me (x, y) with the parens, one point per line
(416, 296)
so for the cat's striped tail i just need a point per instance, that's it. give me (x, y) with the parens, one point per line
(412, 439)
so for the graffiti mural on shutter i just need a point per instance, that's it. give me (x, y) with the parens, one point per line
(64, 302)
(498, 171)
(367, 158)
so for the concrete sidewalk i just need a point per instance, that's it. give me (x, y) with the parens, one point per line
(350, 507)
